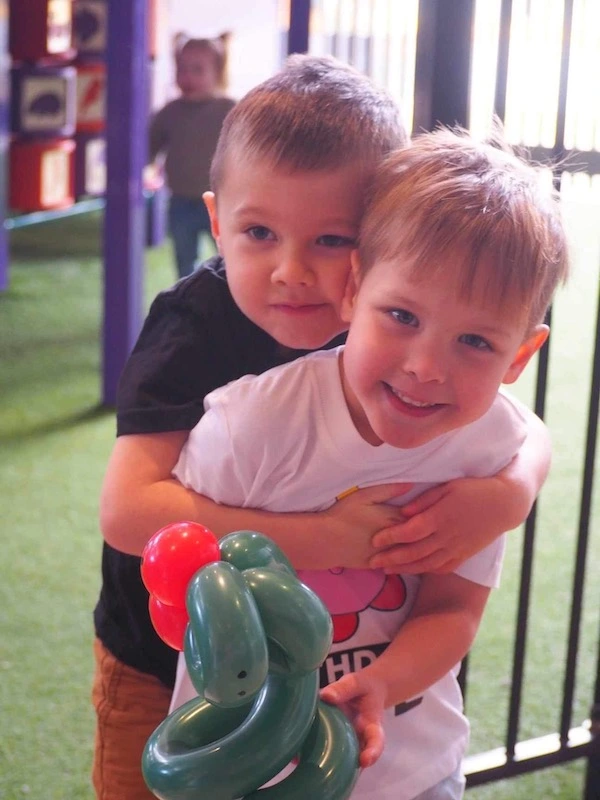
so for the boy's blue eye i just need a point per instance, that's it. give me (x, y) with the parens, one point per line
(404, 317)
(473, 340)
(260, 233)
(333, 240)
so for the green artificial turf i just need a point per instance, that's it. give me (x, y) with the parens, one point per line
(55, 440)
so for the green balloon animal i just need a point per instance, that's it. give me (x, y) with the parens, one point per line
(253, 646)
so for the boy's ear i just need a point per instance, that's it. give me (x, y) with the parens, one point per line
(210, 202)
(351, 287)
(528, 349)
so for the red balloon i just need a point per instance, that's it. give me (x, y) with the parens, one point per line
(169, 622)
(172, 557)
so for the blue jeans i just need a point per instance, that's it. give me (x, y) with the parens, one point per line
(188, 218)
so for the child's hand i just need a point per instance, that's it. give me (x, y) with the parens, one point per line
(353, 520)
(448, 524)
(152, 178)
(361, 696)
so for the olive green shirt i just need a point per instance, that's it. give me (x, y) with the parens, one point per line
(186, 131)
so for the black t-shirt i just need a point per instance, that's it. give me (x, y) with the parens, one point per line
(194, 340)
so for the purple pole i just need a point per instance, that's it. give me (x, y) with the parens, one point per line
(124, 220)
(299, 26)
(4, 99)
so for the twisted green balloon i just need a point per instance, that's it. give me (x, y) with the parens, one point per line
(253, 647)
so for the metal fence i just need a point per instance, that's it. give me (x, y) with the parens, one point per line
(534, 63)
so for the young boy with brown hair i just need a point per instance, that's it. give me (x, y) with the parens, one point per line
(460, 250)
(290, 173)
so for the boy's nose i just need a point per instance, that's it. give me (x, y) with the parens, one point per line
(293, 270)
(426, 362)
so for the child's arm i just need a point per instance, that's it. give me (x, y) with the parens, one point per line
(157, 135)
(435, 637)
(452, 522)
(139, 496)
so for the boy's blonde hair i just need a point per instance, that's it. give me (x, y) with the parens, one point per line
(218, 48)
(316, 113)
(450, 200)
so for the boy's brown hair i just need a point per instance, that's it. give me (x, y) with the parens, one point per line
(448, 199)
(316, 113)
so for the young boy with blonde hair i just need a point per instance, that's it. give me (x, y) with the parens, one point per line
(290, 173)
(460, 250)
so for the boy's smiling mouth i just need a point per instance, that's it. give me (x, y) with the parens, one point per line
(298, 307)
(410, 404)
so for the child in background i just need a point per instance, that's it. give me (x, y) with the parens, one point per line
(290, 173)
(460, 250)
(186, 131)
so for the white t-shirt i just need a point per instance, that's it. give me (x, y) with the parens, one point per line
(284, 441)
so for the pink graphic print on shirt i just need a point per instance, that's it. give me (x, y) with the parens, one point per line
(345, 598)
